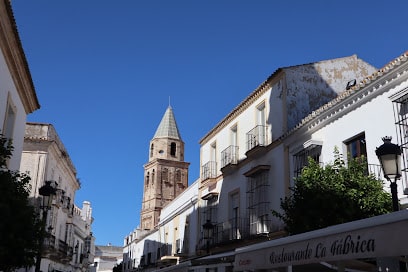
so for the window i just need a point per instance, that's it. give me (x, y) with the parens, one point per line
(149, 258)
(173, 149)
(158, 256)
(234, 216)
(301, 159)
(234, 136)
(213, 152)
(261, 124)
(209, 169)
(151, 150)
(186, 240)
(10, 119)
(230, 154)
(147, 179)
(356, 147)
(260, 114)
(210, 209)
(178, 246)
(258, 201)
(400, 106)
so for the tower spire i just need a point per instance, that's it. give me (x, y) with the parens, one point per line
(168, 126)
(166, 173)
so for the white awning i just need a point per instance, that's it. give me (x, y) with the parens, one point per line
(380, 236)
(220, 258)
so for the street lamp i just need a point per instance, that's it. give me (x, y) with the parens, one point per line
(389, 155)
(47, 192)
(208, 233)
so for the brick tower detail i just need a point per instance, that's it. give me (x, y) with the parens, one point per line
(166, 173)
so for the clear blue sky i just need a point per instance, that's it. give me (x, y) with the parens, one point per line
(104, 71)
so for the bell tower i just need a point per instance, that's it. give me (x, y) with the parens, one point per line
(166, 173)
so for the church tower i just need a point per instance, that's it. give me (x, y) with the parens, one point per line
(166, 173)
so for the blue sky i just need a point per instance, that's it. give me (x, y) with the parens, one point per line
(104, 72)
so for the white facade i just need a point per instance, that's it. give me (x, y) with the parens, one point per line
(252, 131)
(107, 257)
(17, 94)
(259, 177)
(366, 110)
(250, 158)
(172, 240)
(69, 244)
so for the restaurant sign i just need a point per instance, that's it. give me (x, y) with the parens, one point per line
(376, 241)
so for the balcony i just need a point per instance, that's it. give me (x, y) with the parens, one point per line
(165, 250)
(261, 227)
(226, 233)
(229, 159)
(56, 249)
(233, 229)
(257, 139)
(209, 170)
(376, 170)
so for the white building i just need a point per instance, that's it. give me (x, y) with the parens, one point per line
(107, 257)
(249, 161)
(17, 94)
(241, 178)
(282, 135)
(173, 241)
(68, 244)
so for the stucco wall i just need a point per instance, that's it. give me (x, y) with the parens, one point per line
(7, 88)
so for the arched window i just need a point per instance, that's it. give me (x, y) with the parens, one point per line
(173, 149)
(151, 150)
(147, 178)
(153, 176)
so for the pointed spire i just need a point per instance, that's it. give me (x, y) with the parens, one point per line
(168, 126)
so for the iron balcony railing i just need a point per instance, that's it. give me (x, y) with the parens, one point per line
(261, 226)
(209, 170)
(57, 249)
(165, 250)
(236, 229)
(376, 170)
(257, 137)
(373, 169)
(229, 155)
(233, 229)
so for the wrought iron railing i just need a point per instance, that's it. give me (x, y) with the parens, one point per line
(166, 250)
(376, 170)
(233, 229)
(257, 137)
(209, 170)
(261, 226)
(229, 155)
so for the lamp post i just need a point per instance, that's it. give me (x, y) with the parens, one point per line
(46, 191)
(208, 233)
(389, 155)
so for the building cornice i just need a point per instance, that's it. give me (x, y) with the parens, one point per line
(15, 58)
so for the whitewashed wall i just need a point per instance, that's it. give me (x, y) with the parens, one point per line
(179, 213)
(8, 92)
(374, 117)
(292, 94)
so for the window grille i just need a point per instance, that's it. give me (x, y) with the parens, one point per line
(400, 107)
(258, 202)
(300, 159)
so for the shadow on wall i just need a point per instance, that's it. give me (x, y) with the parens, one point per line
(300, 90)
